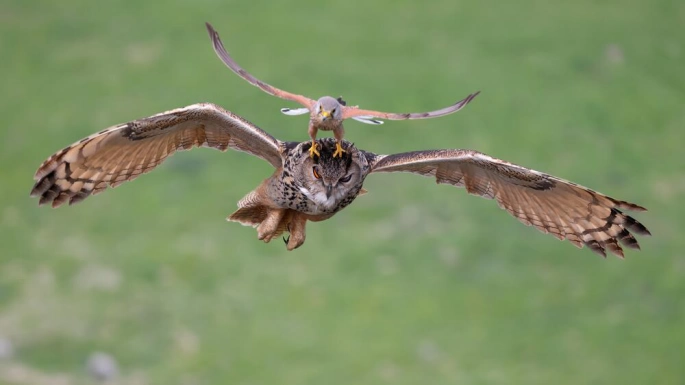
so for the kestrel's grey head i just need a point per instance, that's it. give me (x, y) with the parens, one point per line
(328, 108)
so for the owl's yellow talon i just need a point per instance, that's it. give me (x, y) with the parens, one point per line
(338, 150)
(313, 151)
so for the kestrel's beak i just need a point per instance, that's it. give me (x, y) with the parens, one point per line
(325, 114)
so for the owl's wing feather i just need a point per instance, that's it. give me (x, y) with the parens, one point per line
(228, 60)
(351, 112)
(553, 205)
(121, 153)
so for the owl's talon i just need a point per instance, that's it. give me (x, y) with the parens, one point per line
(313, 151)
(338, 150)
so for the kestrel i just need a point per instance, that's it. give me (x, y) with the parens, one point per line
(314, 188)
(326, 113)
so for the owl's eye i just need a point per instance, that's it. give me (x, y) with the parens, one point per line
(316, 174)
(346, 178)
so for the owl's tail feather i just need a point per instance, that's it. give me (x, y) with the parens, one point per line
(251, 212)
(254, 216)
(249, 216)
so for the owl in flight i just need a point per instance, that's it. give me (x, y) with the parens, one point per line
(314, 188)
(327, 113)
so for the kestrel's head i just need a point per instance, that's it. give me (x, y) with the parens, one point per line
(328, 108)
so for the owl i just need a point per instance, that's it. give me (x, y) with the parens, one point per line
(314, 188)
(327, 113)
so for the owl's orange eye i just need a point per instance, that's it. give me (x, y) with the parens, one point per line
(316, 174)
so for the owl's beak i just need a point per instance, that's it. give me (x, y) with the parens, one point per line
(329, 191)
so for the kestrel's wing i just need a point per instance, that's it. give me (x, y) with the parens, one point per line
(351, 112)
(552, 205)
(228, 60)
(368, 120)
(294, 111)
(121, 153)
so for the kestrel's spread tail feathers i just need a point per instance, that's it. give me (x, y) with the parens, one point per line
(326, 113)
(553, 205)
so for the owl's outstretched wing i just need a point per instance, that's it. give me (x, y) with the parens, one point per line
(352, 112)
(230, 63)
(121, 153)
(561, 208)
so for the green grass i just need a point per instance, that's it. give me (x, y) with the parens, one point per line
(414, 283)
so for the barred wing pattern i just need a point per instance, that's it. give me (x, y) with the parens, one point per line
(553, 205)
(123, 152)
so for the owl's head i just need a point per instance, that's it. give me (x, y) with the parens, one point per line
(326, 180)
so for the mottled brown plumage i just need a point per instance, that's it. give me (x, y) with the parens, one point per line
(304, 188)
(326, 113)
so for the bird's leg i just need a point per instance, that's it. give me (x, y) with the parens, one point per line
(297, 231)
(268, 227)
(338, 132)
(312, 134)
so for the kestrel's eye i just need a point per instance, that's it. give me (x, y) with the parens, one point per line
(333, 111)
(320, 108)
(316, 174)
(346, 178)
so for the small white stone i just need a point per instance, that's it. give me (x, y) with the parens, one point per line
(102, 366)
(6, 348)
(614, 54)
(428, 351)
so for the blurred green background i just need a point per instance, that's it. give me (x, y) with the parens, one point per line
(407, 285)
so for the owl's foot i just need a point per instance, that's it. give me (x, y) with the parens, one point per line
(297, 232)
(338, 150)
(268, 228)
(313, 151)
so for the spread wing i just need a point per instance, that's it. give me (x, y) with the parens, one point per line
(351, 112)
(228, 60)
(561, 208)
(121, 153)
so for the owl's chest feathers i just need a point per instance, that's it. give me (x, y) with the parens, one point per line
(321, 203)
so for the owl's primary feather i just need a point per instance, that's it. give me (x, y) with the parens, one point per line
(553, 205)
(305, 189)
(123, 152)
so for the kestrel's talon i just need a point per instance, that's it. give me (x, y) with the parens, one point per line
(338, 150)
(286, 239)
(313, 151)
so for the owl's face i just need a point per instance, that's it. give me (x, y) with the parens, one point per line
(330, 183)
